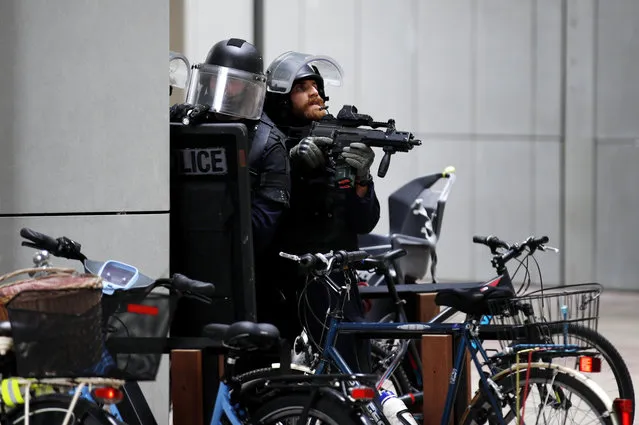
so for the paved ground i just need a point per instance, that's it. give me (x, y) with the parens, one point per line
(619, 313)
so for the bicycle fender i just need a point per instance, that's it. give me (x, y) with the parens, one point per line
(591, 384)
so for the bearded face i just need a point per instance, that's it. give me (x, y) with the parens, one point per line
(306, 102)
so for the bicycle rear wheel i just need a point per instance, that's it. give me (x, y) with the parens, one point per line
(614, 376)
(547, 393)
(613, 366)
(52, 409)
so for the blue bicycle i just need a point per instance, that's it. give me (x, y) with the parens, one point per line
(525, 390)
(137, 319)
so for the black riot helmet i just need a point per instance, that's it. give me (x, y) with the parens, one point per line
(237, 54)
(230, 81)
(310, 72)
(289, 69)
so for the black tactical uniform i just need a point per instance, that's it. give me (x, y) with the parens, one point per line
(321, 218)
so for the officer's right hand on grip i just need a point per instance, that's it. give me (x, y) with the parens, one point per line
(309, 151)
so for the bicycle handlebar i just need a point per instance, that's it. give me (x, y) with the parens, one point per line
(64, 247)
(513, 250)
(327, 262)
(186, 287)
(61, 247)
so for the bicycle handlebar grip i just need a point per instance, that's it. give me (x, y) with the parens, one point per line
(308, 260)
(491, 241)
(183, 283)
(356, 256)
(40, 240)
(542, 240)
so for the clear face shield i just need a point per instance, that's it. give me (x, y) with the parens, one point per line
(282, 71)
(227, 91)
(178, 71)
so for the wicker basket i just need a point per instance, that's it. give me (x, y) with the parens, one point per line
(49, 278)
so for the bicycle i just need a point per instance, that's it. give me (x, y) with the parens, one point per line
(332, 399)
(592, 346)
(137, 311)
(495, 388)
(297, 393)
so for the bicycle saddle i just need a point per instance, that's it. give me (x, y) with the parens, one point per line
(473, 301)
(245, 335)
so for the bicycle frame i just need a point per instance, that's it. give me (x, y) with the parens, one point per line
(465, 333)
(223, 407)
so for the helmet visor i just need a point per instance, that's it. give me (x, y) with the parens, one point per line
(282, 71)
(227, 91)
(178, 70)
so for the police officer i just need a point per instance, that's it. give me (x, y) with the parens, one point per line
(322, 217)
(230, 86)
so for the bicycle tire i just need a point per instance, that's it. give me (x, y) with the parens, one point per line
(594, 340)
(610, 354)
(480, 409)
(51, 409)
(329, 411)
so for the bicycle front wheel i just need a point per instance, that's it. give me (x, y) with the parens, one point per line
(288, 409)
(52, 409)
(540, 395)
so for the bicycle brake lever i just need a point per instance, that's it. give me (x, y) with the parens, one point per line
(290, 257)
(548, 248)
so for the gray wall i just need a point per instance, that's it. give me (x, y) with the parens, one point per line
(535, 103)
(83, 132)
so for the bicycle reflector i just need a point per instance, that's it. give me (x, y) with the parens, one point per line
(108, 395)
(362, 393)
(589, 364)
(623, 408)
(142, 309)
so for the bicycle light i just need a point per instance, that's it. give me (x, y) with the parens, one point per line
(623, 408)
(107, 395)
(589, 364)
(362, 393)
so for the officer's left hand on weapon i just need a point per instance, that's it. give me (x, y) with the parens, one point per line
(188, 114)
(359, 156)
(178, 111)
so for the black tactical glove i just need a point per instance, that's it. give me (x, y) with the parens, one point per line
(188, 114)
(308, 151)
(361, 157)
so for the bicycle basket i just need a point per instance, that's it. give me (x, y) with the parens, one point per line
(137, 324)
(41, 278)
(56, 332)
(546, 317)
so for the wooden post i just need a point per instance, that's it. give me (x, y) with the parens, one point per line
(186, 387)
(438, 356)
(437, 363)
(426, 308)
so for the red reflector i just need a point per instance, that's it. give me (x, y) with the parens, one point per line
(108, 395)
(142, 309)
(241, 158)
(623, 407)
(362, 393)
(589, 364)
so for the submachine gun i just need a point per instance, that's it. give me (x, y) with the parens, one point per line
(345, 129)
